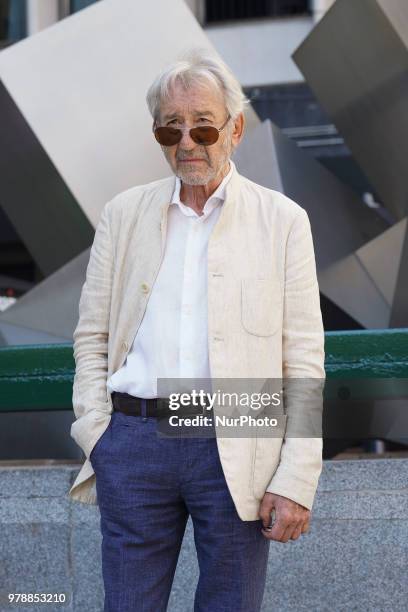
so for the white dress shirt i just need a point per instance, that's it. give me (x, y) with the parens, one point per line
(172, 340)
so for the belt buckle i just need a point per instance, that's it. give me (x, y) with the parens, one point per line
(162, 403)
(205, 411)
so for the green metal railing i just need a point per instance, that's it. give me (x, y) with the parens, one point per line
(36, 377)
(40, 377)
(379, 353)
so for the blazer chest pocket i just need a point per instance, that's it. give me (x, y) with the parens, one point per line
(261, 305)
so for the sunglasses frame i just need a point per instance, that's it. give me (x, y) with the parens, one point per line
(190, 130)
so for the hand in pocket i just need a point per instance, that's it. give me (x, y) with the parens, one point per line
(98, 443)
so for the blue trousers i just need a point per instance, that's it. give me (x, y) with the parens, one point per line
(147, 486)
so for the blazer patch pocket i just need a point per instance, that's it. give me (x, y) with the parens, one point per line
(261, 305)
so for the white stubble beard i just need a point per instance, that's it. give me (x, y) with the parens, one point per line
(203, 177)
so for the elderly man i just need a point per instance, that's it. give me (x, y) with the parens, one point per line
(203, 275)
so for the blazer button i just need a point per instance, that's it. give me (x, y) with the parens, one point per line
(125, 346)
(144, 287)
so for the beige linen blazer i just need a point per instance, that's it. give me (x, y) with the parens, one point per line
(264, 321)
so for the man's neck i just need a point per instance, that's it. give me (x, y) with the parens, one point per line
(195, 196)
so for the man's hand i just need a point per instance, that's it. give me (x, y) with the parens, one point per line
(292, 519)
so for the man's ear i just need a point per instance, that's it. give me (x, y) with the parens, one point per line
(238, 131)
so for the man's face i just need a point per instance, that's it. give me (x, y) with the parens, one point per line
(200, 105)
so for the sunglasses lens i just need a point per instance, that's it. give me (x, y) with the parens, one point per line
(205, 135)
(167, 136)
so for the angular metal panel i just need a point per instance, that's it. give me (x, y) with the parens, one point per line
(76, 92)
(356, 62)
(47, 313)
(366, 284)
(34, 196)
(340, 221)
(399, 316)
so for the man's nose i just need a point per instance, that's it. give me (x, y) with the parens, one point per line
(186, 141)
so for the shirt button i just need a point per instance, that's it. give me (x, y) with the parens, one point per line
(144, 287)
(125, 346)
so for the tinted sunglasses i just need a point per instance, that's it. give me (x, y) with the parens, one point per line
(203, 135)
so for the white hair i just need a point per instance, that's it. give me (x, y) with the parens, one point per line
(197, 66)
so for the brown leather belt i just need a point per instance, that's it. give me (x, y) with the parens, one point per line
(155, 407)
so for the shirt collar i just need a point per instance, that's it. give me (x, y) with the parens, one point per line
(214, 200)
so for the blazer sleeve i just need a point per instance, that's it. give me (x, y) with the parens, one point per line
(303, 371)
(89, 398)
